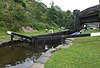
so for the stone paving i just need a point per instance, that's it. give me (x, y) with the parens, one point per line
(40, 62)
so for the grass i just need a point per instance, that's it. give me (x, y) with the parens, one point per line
(3, 34)
(91, 31)
(5, 37)
(84, 53)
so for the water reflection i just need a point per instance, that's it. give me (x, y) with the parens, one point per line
(20, 55)
(26, 64)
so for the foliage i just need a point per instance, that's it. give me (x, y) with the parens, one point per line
(17, 13)
(39, 25)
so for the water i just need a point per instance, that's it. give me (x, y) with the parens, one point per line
(20, 55)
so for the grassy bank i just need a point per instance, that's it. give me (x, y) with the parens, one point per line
(84, 53)
(5, 37)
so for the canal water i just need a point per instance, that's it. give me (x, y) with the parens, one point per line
(21, 55)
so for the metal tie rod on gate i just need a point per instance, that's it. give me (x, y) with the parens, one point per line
(82, 35)
(71, 36)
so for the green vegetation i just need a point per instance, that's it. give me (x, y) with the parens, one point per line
(17, 13)
(3, 34)
(37, 32)
(84, 53)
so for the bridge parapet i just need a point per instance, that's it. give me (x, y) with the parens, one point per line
(94, 10)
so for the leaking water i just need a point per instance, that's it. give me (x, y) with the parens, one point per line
(20, 55)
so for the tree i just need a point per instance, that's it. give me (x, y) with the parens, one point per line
(18, 13)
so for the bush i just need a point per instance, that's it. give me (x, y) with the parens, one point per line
(39, 25)
(2, 23)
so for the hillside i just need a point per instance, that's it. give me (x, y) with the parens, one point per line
(17, 13)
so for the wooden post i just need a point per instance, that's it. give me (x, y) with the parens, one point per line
(34, 41)
(12, 36)
(63, 39)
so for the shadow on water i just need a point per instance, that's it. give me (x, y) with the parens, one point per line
(22, 54)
